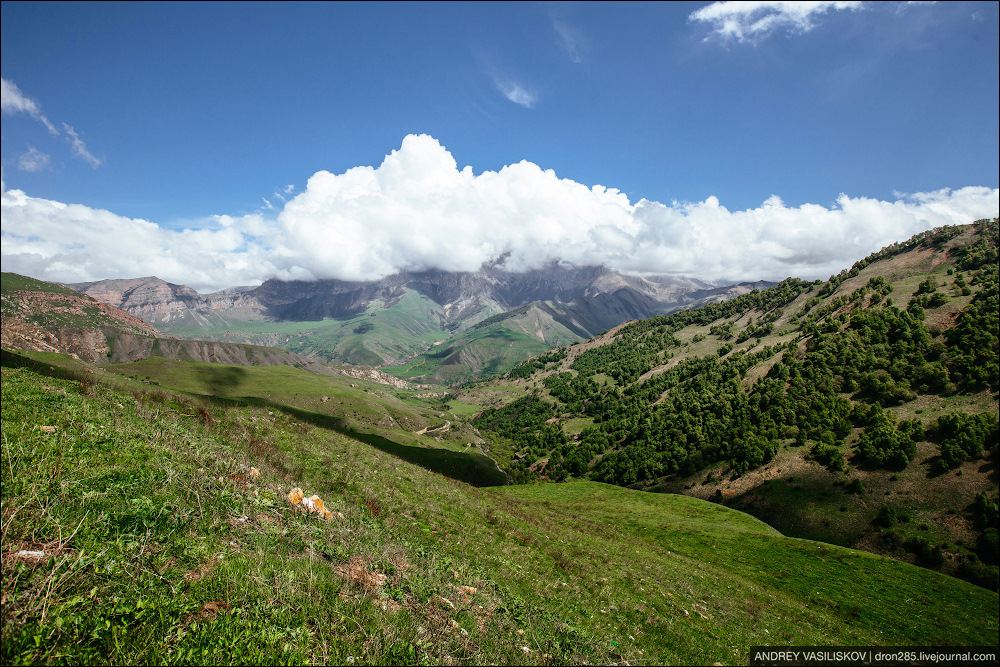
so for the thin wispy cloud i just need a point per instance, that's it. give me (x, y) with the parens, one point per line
(80, 148)
(13, 101)
(515, 91)
(752, 22)
(570, 39)
(34, 160)
(282, 192)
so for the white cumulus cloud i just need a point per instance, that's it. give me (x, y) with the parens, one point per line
(756, 20)
(74, 243)
(418, 210)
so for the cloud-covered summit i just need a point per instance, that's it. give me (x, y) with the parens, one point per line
(418, 210)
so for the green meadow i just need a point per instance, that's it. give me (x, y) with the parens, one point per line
(135, 531)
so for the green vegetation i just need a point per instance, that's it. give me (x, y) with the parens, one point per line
(367, 413)
(137, 530)
(384, 333)
(492, 347)
(835, 366)
(13, 282)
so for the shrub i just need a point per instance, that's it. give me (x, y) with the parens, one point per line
(884, 446)
(889, 516)
(828, 455)
(988, 546)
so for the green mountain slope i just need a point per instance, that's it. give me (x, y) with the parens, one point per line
(383, 333)
(142, 526)
(860, 411)
(47, 317)
(490, 347)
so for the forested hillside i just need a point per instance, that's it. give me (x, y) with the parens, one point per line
(886, 372)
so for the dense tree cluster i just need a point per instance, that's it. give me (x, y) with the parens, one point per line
(961, 436)
(641, 346)
(525, 424)
(527, 368)
(982, 252)
(577, 394)
(884, 445)
(856, 356)
(972, 342)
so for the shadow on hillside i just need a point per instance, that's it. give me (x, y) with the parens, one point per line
(471, 468)
(221, 380)
(10, 359)
(797, 509)
(474, 469)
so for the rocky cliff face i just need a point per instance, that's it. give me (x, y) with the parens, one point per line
(71, 324)
(463, 293)
(459, 293)
(158, 301)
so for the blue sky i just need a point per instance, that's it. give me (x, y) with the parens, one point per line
(209, 118)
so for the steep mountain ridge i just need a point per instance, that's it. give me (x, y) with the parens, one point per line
(46, 317)
(156, 300)
(389, 321)
(459, 293)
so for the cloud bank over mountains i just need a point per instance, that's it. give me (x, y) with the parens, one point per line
(418, 210)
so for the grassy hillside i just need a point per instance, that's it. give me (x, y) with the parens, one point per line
(362, 410)
(490, 347)
(14, 282)
(64, 308)
(860, 411)
(384, 333)
(136, 529)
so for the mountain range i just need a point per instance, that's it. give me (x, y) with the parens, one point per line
(432, 325)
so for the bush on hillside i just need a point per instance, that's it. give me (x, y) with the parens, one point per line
(884, 446)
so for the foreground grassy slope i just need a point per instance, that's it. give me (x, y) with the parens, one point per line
(358, 409)
(135, 531)
(14, 282)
